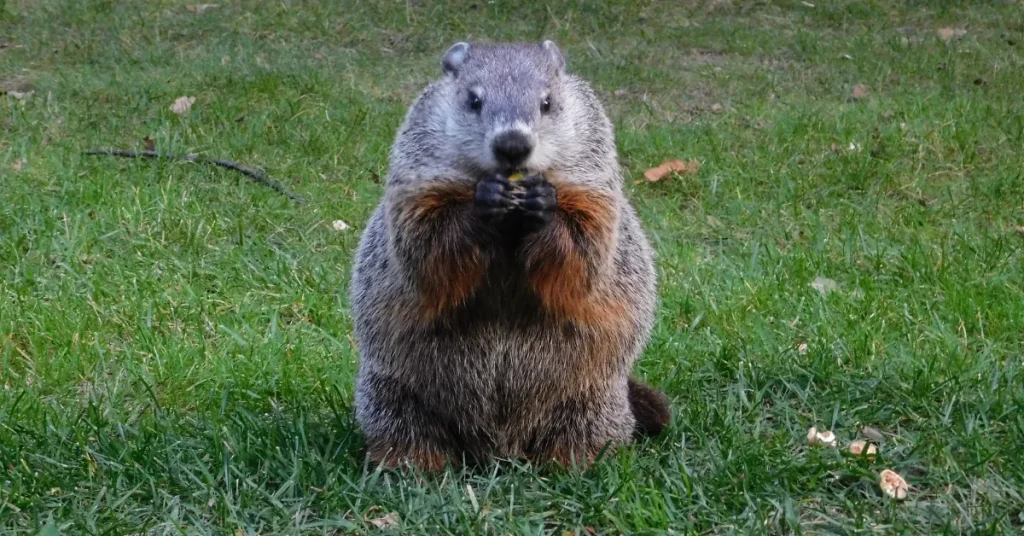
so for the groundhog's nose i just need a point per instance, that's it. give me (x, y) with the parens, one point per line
(511, 148)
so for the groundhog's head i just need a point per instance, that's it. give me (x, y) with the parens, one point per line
(507, 105)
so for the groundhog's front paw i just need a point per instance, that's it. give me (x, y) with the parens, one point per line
(494, 199)
(537, 202)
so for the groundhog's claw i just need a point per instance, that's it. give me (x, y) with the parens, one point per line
(493, 198)
(537, 202)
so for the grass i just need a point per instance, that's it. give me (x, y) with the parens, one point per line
(175, 348)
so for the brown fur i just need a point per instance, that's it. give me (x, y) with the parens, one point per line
(428, 200)
(562, 270)
(420, 458)
(452, 269)
(565, 456)
(563, 263)
(650, 407)
(591, 209)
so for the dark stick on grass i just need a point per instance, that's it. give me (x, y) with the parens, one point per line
(248, 172)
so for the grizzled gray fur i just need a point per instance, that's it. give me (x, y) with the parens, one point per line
(496, 372)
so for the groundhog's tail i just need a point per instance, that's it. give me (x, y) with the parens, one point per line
(650, 408)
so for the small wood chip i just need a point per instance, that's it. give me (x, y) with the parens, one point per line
(389, 521)
(947, 34)
(182, 105)
(200, 8)
(869, 450)
(892, 484)
(820, 439)
(824, 285)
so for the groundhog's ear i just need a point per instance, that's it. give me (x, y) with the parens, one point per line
(453, 59)
(557, 59)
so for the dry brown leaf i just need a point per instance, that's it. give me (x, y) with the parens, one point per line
(947, 34)
(148, 143)
(872, 434)
(892, 484)
(824, 285)
(16, 166)
(318, 56)
(860, 91)
(869, 450)
(671, 166)
(389, 521)
(200, 8)
(182, 105)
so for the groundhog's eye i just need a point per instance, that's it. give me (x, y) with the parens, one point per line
(475, 102)
(545, 105)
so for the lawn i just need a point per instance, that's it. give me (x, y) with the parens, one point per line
(176, 351)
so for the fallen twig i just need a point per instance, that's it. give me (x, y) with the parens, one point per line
(248, 172)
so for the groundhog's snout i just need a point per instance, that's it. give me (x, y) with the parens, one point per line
(511, 148)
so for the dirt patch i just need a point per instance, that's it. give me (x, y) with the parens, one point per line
(16, 85)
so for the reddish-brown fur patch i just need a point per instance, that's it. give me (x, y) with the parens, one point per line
(428, 201)
(393, 456)
(568, 457)
(450, 278)
(593, 210)
(453, 266)
(560, 274)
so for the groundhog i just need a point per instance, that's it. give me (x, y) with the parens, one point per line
(495, 317)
